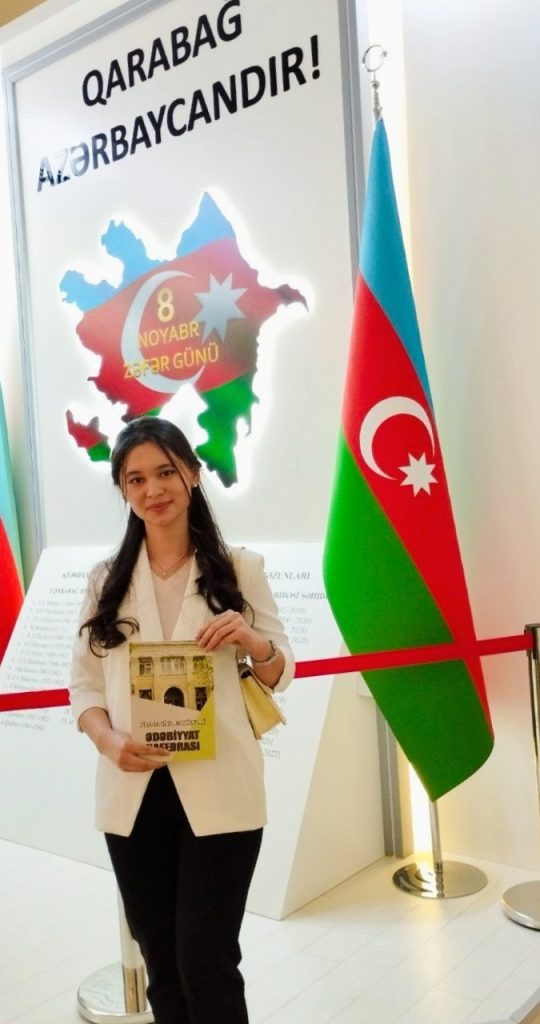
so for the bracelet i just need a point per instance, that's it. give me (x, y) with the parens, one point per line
(273, 656)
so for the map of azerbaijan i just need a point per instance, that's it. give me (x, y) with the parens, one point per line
(192, 320)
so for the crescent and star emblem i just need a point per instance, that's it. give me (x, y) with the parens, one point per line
(418, 473)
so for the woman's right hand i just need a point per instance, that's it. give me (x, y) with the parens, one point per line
(130, 756)
(120, 749)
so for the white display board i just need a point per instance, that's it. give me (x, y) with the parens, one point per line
(185, 186)
(321, 768)
(139, 144)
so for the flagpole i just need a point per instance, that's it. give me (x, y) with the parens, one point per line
(442, 879)
(522, 902)
(372, 60)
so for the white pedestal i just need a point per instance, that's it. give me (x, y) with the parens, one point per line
(323, 776)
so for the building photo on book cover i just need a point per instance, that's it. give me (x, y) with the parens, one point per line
(172, 699)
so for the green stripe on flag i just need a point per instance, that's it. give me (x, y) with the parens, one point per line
(377, 595)
(382, 602)
(436, 716)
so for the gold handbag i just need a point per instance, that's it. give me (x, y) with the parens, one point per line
(261, 708)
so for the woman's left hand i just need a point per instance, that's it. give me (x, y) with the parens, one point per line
(231, 628)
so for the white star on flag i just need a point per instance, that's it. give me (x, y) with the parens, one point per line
(418, 474)
(219, 306)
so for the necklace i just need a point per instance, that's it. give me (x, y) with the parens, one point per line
(165, 573)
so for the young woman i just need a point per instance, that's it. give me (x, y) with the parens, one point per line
(183, 837)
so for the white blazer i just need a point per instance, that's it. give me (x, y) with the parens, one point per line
(221, 795)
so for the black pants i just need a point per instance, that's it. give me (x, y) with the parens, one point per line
(185, 898)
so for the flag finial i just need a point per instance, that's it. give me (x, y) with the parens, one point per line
(373, 59)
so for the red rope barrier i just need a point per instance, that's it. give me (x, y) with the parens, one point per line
(24, 700)
(414, 656)
(36, 699)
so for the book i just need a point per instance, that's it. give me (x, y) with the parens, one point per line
(172, 699)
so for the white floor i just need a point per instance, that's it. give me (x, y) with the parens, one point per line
(365, 953)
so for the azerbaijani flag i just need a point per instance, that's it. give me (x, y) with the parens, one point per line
(392, 564)
(10, 574)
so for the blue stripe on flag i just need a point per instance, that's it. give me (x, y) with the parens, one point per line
(383, 262)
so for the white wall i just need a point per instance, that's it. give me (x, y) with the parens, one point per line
(473, 104)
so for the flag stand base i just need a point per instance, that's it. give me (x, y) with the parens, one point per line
(455, 879)
(444, 879)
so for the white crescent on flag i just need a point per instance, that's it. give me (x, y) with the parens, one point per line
(418, 473)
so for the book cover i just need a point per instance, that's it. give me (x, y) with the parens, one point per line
(172, 699)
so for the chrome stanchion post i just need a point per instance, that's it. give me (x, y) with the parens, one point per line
(133, 972)
(522, 902)
(116, 994)
(443, 879)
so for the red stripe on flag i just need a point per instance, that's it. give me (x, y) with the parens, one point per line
(12, 595)
(423, 521)
(380, 370)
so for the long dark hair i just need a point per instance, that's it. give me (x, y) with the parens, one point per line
(217, 581)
